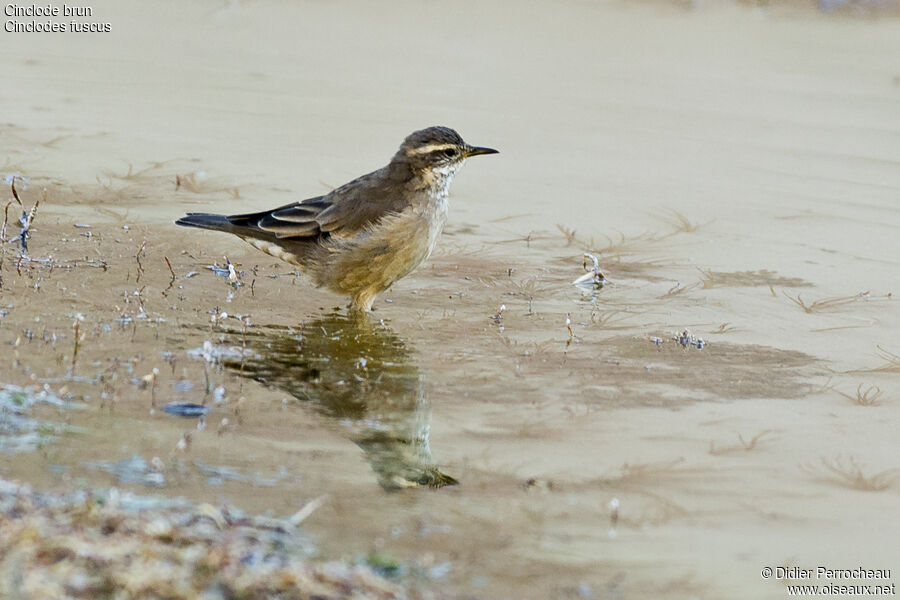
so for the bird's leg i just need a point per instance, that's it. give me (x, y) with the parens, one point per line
(363, 300)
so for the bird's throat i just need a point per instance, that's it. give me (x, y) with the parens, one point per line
(438, 179)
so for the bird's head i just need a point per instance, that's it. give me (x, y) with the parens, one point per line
(439, 150)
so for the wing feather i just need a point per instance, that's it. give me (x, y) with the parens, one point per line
(295, 220)
(342, 212)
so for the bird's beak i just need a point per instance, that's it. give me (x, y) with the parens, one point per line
(476, 151)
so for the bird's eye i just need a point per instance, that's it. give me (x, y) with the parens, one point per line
(450, 152)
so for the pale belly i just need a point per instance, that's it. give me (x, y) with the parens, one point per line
(373, 261)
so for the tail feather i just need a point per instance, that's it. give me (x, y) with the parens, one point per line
(208, 221)
(233, 225)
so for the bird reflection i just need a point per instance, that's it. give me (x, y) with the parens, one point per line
(359, 374)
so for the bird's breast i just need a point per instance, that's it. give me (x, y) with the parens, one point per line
(433, 220)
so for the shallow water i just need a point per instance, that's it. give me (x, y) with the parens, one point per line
(734, 170)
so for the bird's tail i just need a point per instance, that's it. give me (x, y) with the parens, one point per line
(207, 221)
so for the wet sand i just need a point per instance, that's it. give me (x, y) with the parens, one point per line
(735, 170)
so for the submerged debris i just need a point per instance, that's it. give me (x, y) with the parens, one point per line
(217, 354)
(132, 470)
(25, 221)
(18, 431)
(218, 475)
(186, 409)
(686, 338)
(227, 271)
(497, 318)
(613, 516)
(232, 274)
(593, 279)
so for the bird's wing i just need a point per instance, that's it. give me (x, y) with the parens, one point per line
(343, 212)
(295, 220)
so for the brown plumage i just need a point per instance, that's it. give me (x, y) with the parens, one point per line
(363, 236)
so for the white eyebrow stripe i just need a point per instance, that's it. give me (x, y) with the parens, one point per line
(430, 148)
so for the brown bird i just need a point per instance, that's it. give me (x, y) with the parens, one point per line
(363, 236)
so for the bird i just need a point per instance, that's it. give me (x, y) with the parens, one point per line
(363, 236)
